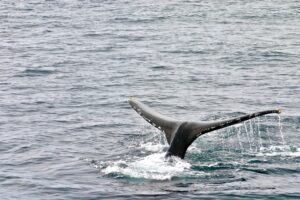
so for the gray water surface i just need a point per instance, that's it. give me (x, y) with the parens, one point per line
(68, 67)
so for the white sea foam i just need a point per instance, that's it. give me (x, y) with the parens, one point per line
(283, 150)
(194, 149)
(154, 166)
(152, 147)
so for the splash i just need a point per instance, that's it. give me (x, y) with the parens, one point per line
(239, 139)
(282, 150)
(280, 130)
(247, 134)
(154, 166)
(153, 147)
(250, 139)
(259, 134)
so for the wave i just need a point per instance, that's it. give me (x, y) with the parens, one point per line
(37, 72)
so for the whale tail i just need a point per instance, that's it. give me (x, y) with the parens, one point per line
(164, 123)
(180, 134)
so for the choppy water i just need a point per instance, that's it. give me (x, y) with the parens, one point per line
(68, 67)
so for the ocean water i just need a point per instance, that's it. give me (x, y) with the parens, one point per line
(68, 67)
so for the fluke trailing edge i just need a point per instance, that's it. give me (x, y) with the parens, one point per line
(181, 134)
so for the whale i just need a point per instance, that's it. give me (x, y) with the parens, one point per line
(181, 134)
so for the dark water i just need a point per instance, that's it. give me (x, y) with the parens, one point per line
(68, 67)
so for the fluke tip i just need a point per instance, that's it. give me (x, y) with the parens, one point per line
(131, 98)
(279, 110)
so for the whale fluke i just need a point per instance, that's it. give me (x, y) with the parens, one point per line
(181, 134)
(167, 124)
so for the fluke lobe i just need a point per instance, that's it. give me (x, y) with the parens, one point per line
(181, 134)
